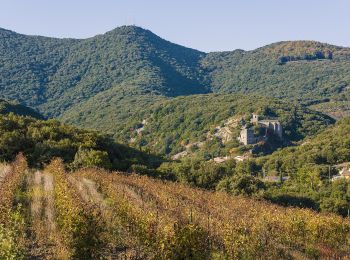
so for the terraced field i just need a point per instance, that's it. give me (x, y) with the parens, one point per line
(93, 214)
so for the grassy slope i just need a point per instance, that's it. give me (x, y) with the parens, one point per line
(337, 109)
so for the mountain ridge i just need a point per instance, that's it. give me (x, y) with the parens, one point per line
(137, 28)
(58, 76)
(125, 55)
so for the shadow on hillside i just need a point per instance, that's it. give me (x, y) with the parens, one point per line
(288, 200)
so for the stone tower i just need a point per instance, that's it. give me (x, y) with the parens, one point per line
(255, 119)
(247, 136)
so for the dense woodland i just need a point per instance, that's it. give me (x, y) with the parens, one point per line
(58, 76)
(53, 75)
(311, 71)
(172, 125)
(41, 141)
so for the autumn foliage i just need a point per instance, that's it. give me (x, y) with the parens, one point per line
(113, 215)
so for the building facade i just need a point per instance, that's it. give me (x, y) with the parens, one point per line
(247, 136)
(272, 126)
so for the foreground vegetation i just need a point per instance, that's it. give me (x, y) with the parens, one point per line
(40, 141)
(12, 209)
(96, 214)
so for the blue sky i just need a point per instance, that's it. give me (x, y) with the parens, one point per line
(214, 25)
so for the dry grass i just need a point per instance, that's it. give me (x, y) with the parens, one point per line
(5, 169)
(49, 203)
(235, 225)
(121, 244)
(143, 218)
(45, 242)
(37, 194)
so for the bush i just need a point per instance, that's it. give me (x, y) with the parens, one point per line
(91, 158)
(241, 185)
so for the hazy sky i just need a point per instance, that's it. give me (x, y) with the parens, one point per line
(207, 25)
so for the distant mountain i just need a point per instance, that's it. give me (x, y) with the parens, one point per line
(301, 70)
(55, 75)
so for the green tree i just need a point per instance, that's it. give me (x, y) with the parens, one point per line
(92, 158)
(241, 185)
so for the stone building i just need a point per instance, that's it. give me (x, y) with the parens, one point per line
(247, 136)
(272, 126)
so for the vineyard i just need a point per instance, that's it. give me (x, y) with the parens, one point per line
(93, 214)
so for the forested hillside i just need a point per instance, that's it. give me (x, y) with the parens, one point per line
(54, 74)
(58, 76)
(42, 141)
(302, 70)
(330, 147)
(209, 123)
(310, 167)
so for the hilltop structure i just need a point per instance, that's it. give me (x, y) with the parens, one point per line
(272, 126)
